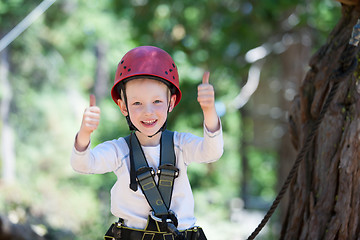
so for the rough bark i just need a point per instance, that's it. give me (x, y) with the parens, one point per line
(325, 196)
(293, 62)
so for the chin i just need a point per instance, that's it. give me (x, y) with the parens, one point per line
(148, 132)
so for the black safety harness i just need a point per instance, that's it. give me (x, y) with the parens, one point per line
(162, 222)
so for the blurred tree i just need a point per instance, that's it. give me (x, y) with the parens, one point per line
(325, 197)
(6, 131)
(73, 50)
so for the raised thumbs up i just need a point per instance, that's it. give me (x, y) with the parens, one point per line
(90, 123)
(91, 116)
(206, 99)
(206, 96)
(206, 77)
(92, 100)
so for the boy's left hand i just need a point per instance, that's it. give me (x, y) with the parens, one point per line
(206, 95)
(206, 99)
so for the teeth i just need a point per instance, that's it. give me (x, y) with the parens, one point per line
(149, 122)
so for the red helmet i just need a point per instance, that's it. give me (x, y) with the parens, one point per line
(147, 61)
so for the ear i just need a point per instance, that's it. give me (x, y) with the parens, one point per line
(122, 107)
(172, 102)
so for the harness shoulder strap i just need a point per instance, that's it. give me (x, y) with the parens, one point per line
(158, 196)
(167, 171)
(133, 184)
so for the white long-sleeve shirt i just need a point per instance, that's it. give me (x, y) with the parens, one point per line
(113, 156)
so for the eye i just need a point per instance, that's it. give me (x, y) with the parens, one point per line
(157, 101)
(136, 103)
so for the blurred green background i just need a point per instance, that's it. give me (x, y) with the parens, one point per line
(256, 51)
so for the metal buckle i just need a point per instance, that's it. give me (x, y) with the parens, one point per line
(170, 168)
(158, 219)
(152, 215)
(144, 173)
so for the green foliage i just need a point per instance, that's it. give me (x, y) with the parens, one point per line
(52, 72)
(263, 165)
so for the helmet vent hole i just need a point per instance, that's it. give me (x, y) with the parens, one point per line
(120, 74)
(174, 77)
(170, 70)
(173, 65)
(122, 62)
(124, 67)
(129, 69)
(166, 72)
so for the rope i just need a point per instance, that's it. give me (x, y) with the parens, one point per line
(348, 63)
(25, 23)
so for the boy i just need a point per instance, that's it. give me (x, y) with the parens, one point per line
(146, 88)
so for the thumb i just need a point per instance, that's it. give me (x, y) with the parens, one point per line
(92, 100)
(206, 77)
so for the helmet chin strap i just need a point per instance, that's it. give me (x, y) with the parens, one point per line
(132, 126)
(160, 130)
(163, 127)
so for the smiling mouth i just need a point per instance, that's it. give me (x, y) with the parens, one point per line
(149, 123)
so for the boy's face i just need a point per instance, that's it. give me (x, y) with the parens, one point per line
(148, 103)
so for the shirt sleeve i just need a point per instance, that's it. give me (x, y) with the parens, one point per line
(105, 157)
(206, 149)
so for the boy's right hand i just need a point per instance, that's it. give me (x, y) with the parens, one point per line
(90, 122)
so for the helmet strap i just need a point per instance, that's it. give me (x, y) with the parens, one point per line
(128, 120)
(163, 127)
(160, 130)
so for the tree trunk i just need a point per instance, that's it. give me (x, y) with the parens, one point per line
(293, 62)
(325, 195)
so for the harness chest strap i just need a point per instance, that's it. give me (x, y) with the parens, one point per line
(162, 223)
(157, 195)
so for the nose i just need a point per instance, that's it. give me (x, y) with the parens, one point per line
(149, 109)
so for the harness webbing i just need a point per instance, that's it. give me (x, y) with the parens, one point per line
(152, 231)
(167, 171)
(157, 195)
